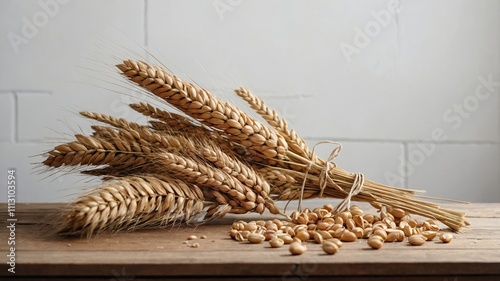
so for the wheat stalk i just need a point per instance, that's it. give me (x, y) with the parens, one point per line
(217, 159)
(339, 182)
(338, 187)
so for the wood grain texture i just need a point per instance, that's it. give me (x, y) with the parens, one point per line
(160, 253)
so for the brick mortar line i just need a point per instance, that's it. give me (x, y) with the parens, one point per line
(497, 65)
(288, 97)
(22, 92)
(406, 177)
(14, 134)
(146, 23)
(396, 141)
(15, 119)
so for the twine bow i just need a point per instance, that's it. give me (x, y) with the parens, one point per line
(324, 178)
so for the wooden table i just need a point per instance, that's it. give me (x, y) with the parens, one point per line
(160, 253)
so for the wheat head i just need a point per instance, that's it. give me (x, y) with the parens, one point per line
(201, 105)
(132, 202)
(295, 143)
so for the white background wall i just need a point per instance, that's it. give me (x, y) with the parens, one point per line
(400, 83)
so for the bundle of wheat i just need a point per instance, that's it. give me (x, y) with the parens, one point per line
(216, 160)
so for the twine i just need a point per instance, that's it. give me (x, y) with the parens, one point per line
(324, 178)
(357, 187)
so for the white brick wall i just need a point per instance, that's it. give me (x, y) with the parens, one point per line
(410, 103)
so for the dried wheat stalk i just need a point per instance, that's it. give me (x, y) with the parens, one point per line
(217, 159)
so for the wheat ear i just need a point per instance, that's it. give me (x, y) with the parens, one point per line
(259, 188)
(87, 150)
(132, 202)
(226, 188)
(178, 125)
(201, 105)
(295, 142)
(175, 121)
(139, 134)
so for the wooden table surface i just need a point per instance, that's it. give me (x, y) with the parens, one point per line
(160, 253)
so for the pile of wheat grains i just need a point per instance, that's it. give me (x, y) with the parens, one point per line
(207, 160)
(330, 229)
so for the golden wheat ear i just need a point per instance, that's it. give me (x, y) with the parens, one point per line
(174, 121)
(295, 143)
(133, 202)
(201, 105)
(227, 189)
(88, 150)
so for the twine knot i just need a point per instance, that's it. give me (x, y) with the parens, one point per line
(324, 178)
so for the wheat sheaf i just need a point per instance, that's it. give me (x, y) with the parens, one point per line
(213, 161)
